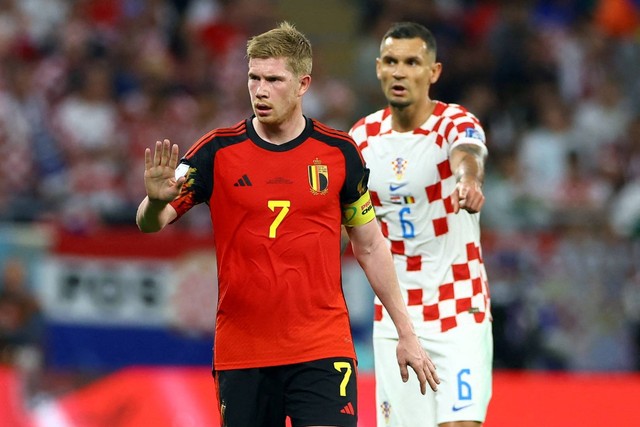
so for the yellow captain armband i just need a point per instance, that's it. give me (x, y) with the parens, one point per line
(359, 212)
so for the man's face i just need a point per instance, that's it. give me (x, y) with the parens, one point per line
(275, 91)
(406, 70)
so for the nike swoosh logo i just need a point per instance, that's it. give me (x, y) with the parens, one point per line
(396, 187)
(455, 408)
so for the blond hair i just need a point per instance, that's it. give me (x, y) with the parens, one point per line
(287, 42)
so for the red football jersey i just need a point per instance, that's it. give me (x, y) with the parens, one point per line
(276, 212)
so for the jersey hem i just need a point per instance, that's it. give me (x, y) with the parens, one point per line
(281, 362)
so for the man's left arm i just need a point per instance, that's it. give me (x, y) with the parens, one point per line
(373, 255)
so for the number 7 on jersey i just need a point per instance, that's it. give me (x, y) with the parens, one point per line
(284, 209)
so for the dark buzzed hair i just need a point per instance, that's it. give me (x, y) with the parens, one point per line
(411, 30)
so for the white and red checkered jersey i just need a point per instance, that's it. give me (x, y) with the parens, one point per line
(437, 253)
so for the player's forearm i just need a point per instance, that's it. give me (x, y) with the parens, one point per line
(153, 216)
(377, 263)
(388, 292)
(467, 162)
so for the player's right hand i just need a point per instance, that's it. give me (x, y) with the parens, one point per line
(159, 172)
(467, 195)
(410, 353)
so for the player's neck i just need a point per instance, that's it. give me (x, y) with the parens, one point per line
(280, 133)
(406, 119)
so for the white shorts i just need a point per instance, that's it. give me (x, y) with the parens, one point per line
(463, 357)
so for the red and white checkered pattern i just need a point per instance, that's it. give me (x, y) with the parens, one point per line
(437, 253)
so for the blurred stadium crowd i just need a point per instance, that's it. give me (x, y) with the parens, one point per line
(87, 85)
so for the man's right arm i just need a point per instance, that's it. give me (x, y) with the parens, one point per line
(162, 186)
(153, 216)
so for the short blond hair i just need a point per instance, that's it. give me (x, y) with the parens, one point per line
(287, 42)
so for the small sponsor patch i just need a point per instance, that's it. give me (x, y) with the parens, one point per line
(364, 209)
(473, 133)
(181, 170)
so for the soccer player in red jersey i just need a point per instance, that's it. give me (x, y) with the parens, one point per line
(279, 185)
(427, 160)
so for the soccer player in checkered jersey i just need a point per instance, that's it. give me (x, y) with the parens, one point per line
(427, 159)
(278, 186)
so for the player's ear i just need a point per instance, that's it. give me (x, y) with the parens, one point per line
(305, 82)
(378, 65)
(436, 70)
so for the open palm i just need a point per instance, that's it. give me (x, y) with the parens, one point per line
(159, 172)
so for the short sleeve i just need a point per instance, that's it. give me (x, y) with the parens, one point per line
(199, 184)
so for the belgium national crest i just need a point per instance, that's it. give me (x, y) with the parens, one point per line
(318, 177)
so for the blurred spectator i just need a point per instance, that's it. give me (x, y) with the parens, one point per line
(543, 152)
(88, 125)
(43, 17)
(620, 161)
(618, 17)
(508, 42)
(511, 208)
(578, 50)
(581, 195)
(333, 99)
(38, 164)
(624, 212)
(21, 326)
(600, 120)
(16, 148)
(516, 328)
(583, 280)
(631, 304)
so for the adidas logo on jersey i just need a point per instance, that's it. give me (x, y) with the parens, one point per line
(348, 409)
(243, 182)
